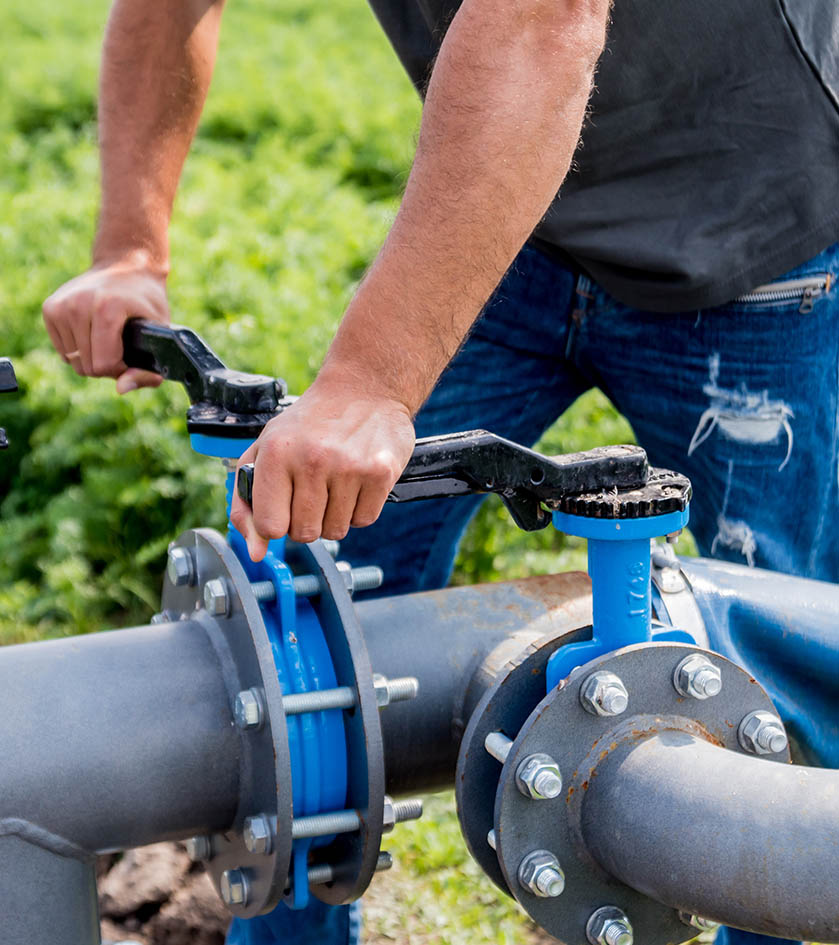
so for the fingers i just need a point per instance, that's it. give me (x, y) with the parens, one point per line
(134, 378)
(383, 471)
(270, 515)
(241, 514)
(106, 338)
(308, 504)
(86, 316)
(343, 496)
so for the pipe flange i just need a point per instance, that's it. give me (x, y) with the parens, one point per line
(352, 856)
(221, 597)
(240, 639)
(504, 707)
(578, 740)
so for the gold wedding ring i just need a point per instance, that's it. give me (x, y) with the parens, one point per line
(73, 354)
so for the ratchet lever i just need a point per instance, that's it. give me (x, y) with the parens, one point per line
(478, 462)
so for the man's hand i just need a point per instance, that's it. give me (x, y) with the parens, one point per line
(326, 463)
(86, 316)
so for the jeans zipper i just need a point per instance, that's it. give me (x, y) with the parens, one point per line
(808, 290)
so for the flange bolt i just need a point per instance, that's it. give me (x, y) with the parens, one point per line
(697, 677)
(216, 599)
(397, 812)
(247, 709)
(538, 777)
(400, 689)
(604, 694)
(608, 925)
(199, 849)
(257, 834)
(235, 889)
(540, 873)
(762, 733)
(180, 567)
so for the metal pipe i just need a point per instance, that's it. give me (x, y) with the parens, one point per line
(455, 641)
(118, 739)
(748, 842)
(48, 896)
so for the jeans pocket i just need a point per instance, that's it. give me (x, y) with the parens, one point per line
(801, 293)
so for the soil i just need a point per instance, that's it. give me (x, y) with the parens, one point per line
(155, 895)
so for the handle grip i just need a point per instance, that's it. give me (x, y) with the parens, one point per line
(479, 462)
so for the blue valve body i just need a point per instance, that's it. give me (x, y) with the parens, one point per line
(619, 566)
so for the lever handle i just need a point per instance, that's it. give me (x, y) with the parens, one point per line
(478, 462)
(225, 402)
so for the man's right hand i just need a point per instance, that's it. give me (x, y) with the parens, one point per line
(86, 316)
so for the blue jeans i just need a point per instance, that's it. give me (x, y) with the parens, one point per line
(741, 398)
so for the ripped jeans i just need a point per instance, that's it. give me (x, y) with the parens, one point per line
(742, 398)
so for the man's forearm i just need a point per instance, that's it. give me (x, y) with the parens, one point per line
(157, 63)
(501, 121)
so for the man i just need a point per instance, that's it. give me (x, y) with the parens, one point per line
(709, 167)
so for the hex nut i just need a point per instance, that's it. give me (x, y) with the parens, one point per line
(696, 676)
(257, 834)
(540, 873)
(762, 733)
(234, 887)
(180, 567)
(388, 815)
(538, 777)
(608, 925)
(247, 709)
(604, 694)
(216, 598)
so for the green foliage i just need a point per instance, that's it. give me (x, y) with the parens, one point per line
(437, 880)
(293, 180)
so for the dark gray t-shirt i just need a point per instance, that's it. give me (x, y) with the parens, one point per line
(710, 162)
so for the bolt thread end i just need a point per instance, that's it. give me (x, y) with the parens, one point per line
(367, 578)
(410, 809)
(617, 933)
(402, 689)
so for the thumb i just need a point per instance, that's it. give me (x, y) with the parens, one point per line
(134, 378)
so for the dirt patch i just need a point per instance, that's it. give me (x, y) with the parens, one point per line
(156, 896)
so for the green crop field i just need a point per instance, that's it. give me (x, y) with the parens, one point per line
(294, 177)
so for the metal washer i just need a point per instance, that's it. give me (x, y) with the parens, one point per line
(577, 740)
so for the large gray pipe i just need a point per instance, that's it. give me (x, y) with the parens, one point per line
(108, 741)
(454, 641)
(118, 739)
(748, 842)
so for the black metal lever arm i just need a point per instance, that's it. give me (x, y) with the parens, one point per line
(478, 462)
(224, 402)
(8, 385)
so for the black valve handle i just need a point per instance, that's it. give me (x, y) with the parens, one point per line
(8, 385)
(224, 402)
(479, 462)
(610, 481)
